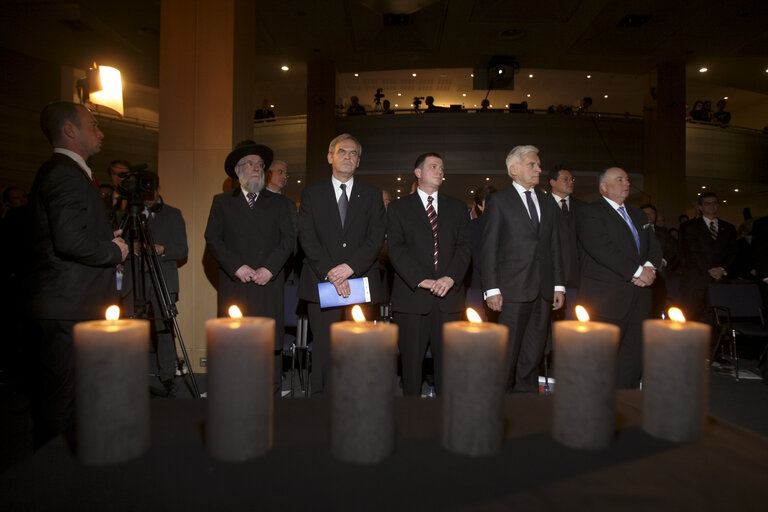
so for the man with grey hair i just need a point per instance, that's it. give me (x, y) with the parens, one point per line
(521, 266)
(619, 264)
(277, 176)
(341, 229)
(251, 233)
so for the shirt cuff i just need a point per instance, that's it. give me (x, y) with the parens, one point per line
(560, 289)
(637, 272)
(491, 293)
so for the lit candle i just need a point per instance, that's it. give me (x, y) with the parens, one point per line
(363, 369)
(585, 381)
(240, 388)
(111, 394)
(675, 377)
(474, 354)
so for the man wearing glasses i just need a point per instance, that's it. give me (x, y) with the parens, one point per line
(251, 234)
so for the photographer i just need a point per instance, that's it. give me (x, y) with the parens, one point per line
(168, 232)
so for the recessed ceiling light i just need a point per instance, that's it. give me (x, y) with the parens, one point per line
(443, 179)
(413, 74)
(398, 191)
(298, 181)
(271, 105)
(399, 178)
(725, 200)
(396, 105)
(530, 76)
(398, 197)
(589, 76)
(464, 94)
(703, 186)
(284, 67)
(399, 94)
(527, 95)
(605, 96)
(725, 97)
(472, 192)
(703, 69)
(473, 75)
(489, 179)
(698, 194)
(475, 104)
(735, 190)
(357, 75)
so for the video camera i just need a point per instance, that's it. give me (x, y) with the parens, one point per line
(379, 94)
(138, 184)
(417, 102)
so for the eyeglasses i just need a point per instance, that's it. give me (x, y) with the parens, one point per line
(251, 165)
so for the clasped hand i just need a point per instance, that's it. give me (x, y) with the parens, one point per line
(437, 287)
(646, 277)
(246, 274)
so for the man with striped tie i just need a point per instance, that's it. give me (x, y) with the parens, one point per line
(251, 234)
(430, 246)
(708, 247)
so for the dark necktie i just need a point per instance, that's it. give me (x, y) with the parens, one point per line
(343, 203)
(532, 211)
(713, 229)
(623, 213)
(433, 221)
(564, 205)
(251, 197)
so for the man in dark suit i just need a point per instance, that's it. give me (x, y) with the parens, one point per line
(169, 236)
(708, 249)
(522, 267)
(620, 258)
(660, 291)
(430, 246)
(341, 229)
(561, 182)
(71, 262)
(251, 234)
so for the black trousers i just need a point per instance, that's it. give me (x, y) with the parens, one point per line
(528, 324)
(320, 321)
(416, 333)
(50, 377)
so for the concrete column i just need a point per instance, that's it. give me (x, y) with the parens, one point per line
(196, 134)
(664, 140)
(321, 117)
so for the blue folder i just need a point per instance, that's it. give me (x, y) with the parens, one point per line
(360, 293)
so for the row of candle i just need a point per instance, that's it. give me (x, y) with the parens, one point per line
(112, 415)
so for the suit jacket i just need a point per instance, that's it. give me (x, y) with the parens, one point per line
(700, 253)
(610, 257)
(569, 241)
(523, 264)
(326, 244)
(411, 247)
(168, 229)
(71, 258)
(262, 236)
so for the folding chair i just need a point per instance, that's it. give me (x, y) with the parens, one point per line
(738, 312)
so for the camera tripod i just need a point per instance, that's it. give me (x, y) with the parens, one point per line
(139, 232)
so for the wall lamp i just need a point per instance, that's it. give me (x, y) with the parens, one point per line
(102, 88)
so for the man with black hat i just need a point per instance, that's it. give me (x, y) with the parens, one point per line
(251, 234)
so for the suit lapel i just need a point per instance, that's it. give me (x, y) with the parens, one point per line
(620, 224)
(355, 203)
(519, 205)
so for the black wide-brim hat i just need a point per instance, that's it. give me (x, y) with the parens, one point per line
(245, 148)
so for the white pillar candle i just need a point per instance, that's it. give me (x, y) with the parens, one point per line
(363, 369)
(240, 387)
(585, 381)
(111, 392)
(675, 378)
(474, 354)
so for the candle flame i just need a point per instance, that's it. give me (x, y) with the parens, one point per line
(473, 317)
(581, 314)
(357, 314)
(234, 312)
(113, 313)
(676, 315)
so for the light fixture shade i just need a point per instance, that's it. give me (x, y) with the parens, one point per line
(111, 95)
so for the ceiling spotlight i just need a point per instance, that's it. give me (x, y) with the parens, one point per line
(396, 105)
(464, 94)
(530, 76)
(489, 179)
(725, 97)
(399, 178)
(284, 67)
(703, 186)
(443, 179)
(605, 96)
(298, 181)
(725, 200)
(703, 69)
(698, 194)
(735, 190)
(413, 74)
(399, 94)
(357, 75)
(528, 95)
(472, 192)
(589, 76)
(271, 105)
(473, 75)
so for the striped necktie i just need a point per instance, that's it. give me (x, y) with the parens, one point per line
(432, 214)
(713, 229)
(251, 197)
(623, 213)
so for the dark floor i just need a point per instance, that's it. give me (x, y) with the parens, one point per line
(742, 402)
